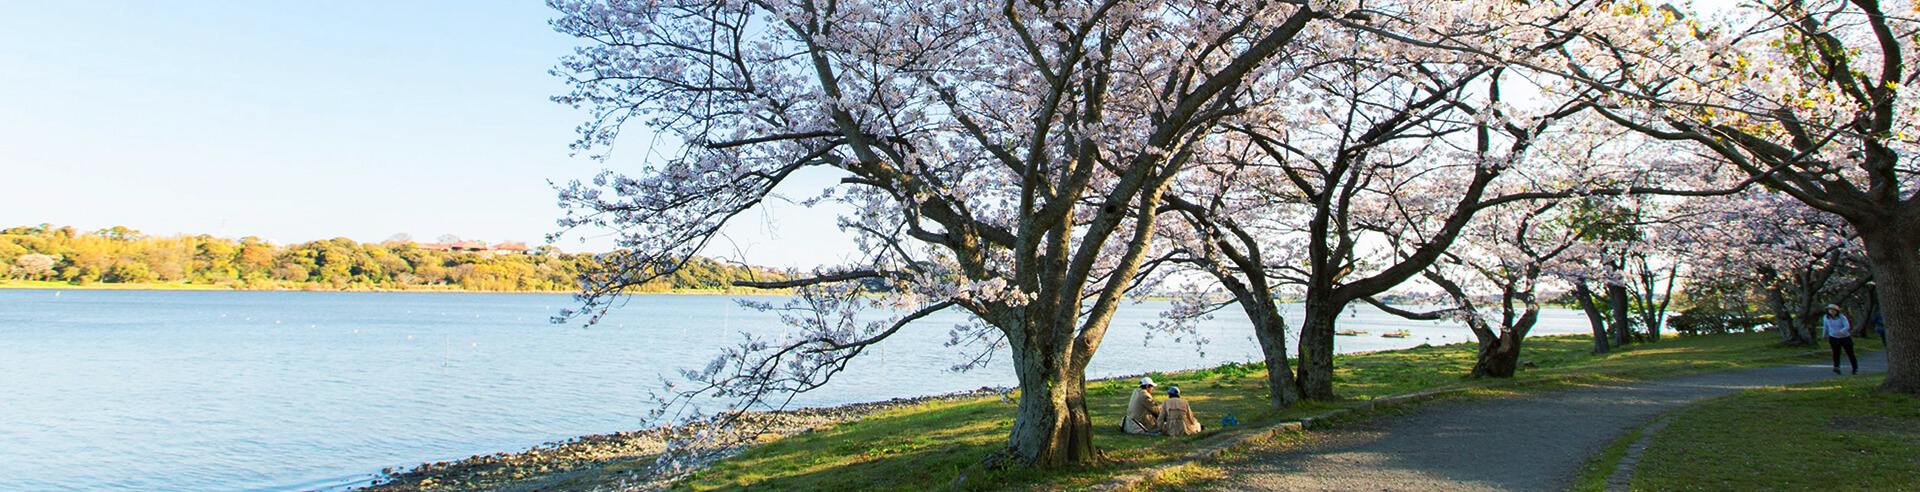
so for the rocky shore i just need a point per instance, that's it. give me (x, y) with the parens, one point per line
(626, 461)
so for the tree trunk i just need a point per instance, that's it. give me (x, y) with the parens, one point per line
(1622, 321)
(1808, 321)
(1052, 428)
(1499, 357)
(1652, 304)
(1666, 298)
(1316, 349)
(1895, 259)
(1271, 331)
(1594, 318)
(1784, 319)
(1651, 320)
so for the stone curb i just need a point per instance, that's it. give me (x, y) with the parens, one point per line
(1622, 474)
(1229, 441)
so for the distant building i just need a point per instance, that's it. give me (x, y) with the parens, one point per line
(504, 248)
(510, 248)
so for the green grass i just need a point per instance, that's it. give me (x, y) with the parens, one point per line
(1837, 434)
(1600, 468)
(927, 446)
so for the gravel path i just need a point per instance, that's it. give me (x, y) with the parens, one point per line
(1533, 442)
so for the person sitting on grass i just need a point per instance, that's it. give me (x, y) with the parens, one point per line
(1143, 417)
(1176, 416)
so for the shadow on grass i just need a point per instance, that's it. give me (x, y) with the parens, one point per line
(1845, 435)
(926, 447)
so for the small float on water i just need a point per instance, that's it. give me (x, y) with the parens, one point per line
(1349, 333)
(1397, 334)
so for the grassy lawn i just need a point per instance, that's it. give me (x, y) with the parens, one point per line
(1836, 434)
(927, 446)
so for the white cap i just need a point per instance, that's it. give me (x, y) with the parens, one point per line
(1146, 381)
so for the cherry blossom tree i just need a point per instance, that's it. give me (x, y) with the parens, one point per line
(1798, 258)
(1225, 238)
(33, 266)
(1353, 132)
(1652, 279)
(1357, 115)
(1507, 253)
(1596, 268)
(1512, 248)
(1398, 145)
(1004, 159)
(1809, 98)
(1387, 166)
(1627, 249)
(1408, 176)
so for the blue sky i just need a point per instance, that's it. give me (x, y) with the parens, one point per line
(296, 121)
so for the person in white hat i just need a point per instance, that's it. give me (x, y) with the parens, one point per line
(1839, 337)
(1143, 415)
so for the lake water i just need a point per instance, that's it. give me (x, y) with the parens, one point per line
(274, 391)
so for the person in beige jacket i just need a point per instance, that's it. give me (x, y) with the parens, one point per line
(1143, 416)
(1176, 418)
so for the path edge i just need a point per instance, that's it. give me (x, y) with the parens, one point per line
(1622, 476)
(1132, 481)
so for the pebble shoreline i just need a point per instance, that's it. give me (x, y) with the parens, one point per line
(625, 461)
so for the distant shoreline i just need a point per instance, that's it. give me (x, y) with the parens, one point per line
(42, 285)
(49, 285)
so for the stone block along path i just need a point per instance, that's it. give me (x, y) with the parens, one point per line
(1538, 441)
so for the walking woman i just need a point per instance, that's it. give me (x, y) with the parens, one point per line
(1839, 336)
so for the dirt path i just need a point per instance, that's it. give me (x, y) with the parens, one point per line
(1533, 442)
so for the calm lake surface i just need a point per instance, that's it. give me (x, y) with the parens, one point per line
(275, 391)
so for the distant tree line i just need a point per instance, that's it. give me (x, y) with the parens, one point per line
(120, 255)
